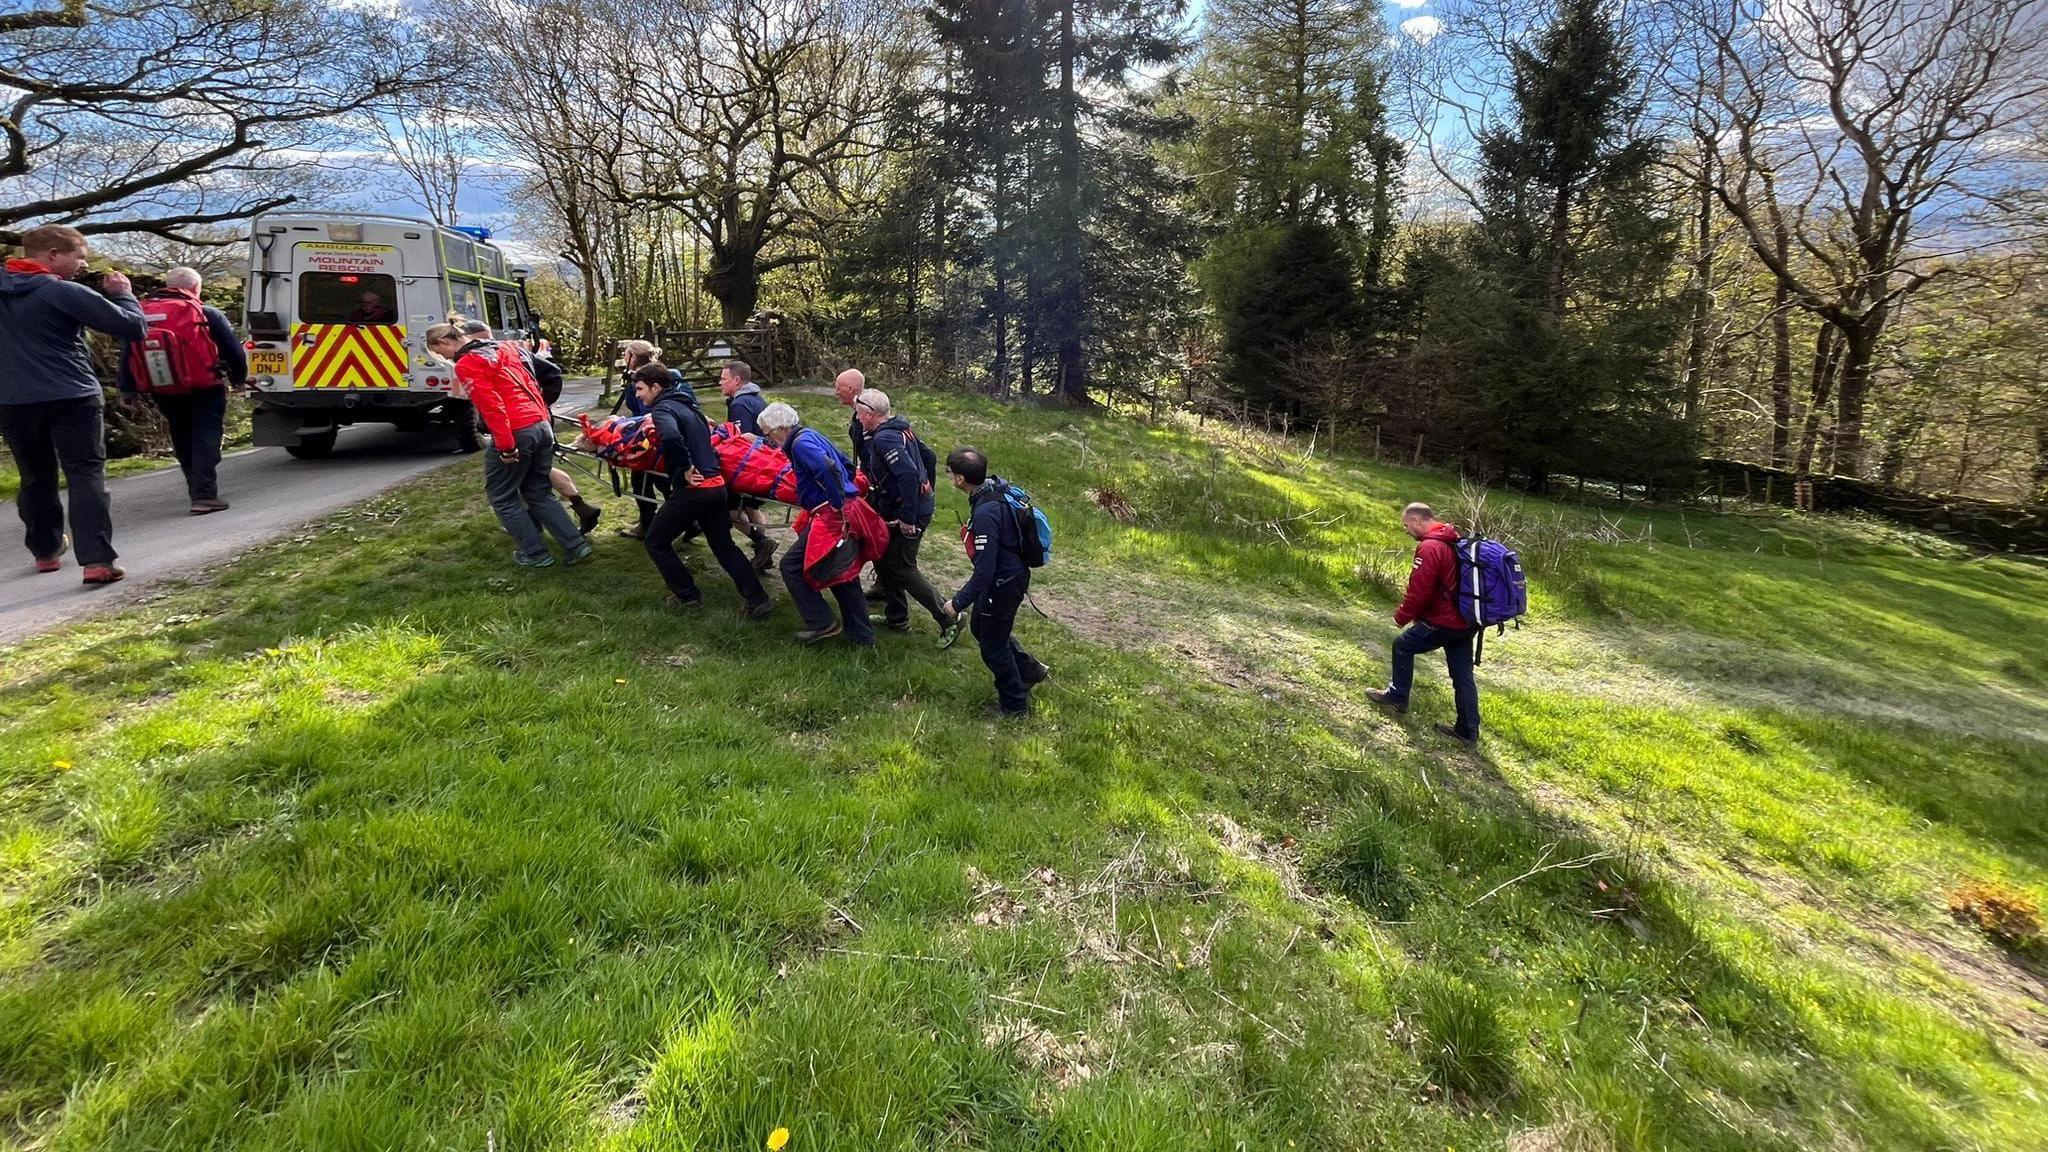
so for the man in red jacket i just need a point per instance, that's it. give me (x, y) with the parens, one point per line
(1430, 620)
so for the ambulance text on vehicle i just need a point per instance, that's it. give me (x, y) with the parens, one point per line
(338, 308)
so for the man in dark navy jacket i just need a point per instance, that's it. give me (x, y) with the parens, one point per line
(997, 588)
(698, 495)
(900, 489)
(50, 400)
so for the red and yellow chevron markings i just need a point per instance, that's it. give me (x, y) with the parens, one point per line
(349, 356)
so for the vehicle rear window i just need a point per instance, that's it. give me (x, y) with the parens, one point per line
(347, 298)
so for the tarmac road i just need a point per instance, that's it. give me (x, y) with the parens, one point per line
(268, 492)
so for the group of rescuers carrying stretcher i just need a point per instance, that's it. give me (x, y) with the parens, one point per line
(872, 507)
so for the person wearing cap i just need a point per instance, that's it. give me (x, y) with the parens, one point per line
(549, 377)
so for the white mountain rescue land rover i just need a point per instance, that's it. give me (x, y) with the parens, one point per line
(339, 304)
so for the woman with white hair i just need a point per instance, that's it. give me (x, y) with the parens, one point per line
(824, 480)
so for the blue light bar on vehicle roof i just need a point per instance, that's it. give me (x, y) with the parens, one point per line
(477, 231)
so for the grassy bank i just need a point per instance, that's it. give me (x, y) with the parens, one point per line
(371, 841)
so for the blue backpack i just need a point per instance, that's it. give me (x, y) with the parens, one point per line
(1035, 545)
(1491, 589)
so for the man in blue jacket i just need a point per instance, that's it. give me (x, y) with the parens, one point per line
(900, 489)
(743, 405)
(997, 588)
(697, 499)
(197, 419)
(823, 476)
(50, 399)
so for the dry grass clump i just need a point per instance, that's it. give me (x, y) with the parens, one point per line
(2005, 914)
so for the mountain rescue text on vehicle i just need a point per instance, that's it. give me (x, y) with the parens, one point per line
(339, 304)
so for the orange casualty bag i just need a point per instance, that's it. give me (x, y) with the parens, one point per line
(753, 466)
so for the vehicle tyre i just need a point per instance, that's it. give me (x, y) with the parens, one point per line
(318, 446)
(466, 438)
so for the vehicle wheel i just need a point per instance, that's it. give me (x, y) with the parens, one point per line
(318, 446)
(466, 439)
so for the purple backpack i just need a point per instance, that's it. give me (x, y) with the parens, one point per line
(1491, 589)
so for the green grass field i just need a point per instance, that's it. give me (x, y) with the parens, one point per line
(372, 841)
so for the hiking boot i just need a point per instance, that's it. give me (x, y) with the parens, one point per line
(206, 507)
(1443, 729)
(1379, 696)
(994, 710)
(891, 625)
(1044, 674)
(676, 603)
(55, 560)
(633, 532)
(949, 633)
(810, 636)
(583, 552)
(587, 515)
(546, 560)
(764, 554)
(103, 573)
(760, 610)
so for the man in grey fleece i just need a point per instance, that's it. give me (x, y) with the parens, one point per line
(50, 399)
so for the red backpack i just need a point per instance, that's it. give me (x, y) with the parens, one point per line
(177, 355)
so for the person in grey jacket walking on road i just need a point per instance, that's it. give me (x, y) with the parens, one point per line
(51, 404)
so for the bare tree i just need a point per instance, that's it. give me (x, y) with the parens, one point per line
(431, 148)
(160, 115)
(753, 118)
(1861, 145)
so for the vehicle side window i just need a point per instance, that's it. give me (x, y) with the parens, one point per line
(494, 304)
(347, 298)
(466, 299)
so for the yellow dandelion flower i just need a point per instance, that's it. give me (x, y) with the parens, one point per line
(61, 765)
(778, 1139)
(622, 680)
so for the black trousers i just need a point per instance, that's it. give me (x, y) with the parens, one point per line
(704, 510)
(901, 581)
(1015, 670)
(649, 485)
(70, 434)
(196, 420)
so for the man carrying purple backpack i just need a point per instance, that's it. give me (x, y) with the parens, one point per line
(1432, 617)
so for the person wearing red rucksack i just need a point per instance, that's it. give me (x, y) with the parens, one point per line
(1429, 618)
(185, 363)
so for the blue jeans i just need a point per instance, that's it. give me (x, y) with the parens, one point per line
(810, 603)
(522, 496)
(1419, 638)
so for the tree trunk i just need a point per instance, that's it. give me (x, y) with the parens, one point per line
(2040, 495)
(592, 295)
(1702, 304)
(1073, 379)
(1826, 359)
(1858, 364)
(733, 281)
(1781, 374)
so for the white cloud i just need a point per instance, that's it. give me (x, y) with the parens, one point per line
(1410, 3)
(1422, 29)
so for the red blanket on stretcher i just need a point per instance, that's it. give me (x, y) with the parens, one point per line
(752, 466)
